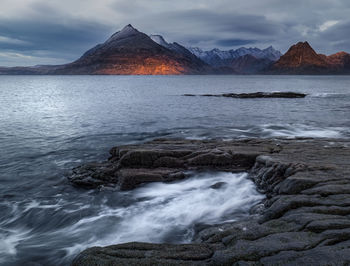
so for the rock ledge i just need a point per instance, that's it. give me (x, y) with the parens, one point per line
(305, 218)
(255, 95)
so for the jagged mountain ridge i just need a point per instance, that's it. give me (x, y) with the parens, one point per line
(217, 57)
(176, 47)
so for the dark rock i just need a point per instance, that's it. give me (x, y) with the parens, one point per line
(93, 175)
(130, 178)
(149, 254)
(255, 95)
(218, 185)
(168, 161)
(329, 255)
(305, 218)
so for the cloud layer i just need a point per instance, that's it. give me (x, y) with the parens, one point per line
(54, 32)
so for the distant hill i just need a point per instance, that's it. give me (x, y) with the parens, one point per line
(301, 58)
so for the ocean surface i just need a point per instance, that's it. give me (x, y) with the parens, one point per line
(50, 124)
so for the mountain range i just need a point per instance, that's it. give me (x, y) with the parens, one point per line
(243, 60)
(131, 52)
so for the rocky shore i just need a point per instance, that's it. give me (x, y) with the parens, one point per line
(304, 220)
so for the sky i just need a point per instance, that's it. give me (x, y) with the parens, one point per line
(34, 32)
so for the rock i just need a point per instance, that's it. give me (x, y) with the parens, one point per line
(131, 178)
(218, 185)
(150, 254)
(130, 166)
(255, 95)
(93, 175)
(326, 255)
(305, 218)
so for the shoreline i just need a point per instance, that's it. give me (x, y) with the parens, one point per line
(303, 218)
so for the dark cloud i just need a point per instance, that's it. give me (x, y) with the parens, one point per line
(234, 42)
(338, 36)
(40, 31)
(225, 22)
(48, 35)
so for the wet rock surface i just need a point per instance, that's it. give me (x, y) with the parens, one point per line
(305, 218)
(254, 95)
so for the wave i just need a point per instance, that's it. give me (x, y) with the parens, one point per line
(300, 130)
(156, 212)
(169, 212)
(329, 95)
(9, 240)
(290, 130)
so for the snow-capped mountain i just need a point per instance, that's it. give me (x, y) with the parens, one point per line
(160, 40)
(175, 47)
(218, 58)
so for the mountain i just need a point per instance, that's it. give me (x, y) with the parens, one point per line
(130, 52)
(339, 60)
(219, 58)
(249, 64)
(127, 52)
(175, 47)
(187, 53)
(301, 58)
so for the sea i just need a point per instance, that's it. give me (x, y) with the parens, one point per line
(51, 124)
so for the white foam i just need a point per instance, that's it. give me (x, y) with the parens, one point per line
(41, 205)
(328, 94)
(171, 209)
(9, 240)
(297, 130)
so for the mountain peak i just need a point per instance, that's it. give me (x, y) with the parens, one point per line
(127, 31)
(300, 55)
(304, 45)
(270, 48)
(303, 49)
(129, 27)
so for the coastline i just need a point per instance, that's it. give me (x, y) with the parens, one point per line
(304, 216)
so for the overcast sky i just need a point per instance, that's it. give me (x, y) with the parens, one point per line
(58, 31)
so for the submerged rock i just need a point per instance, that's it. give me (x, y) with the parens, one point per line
(255, 95)
(305, 218)
(218, 185)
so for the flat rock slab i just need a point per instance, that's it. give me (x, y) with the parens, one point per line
(255, 95)
(305, 218)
